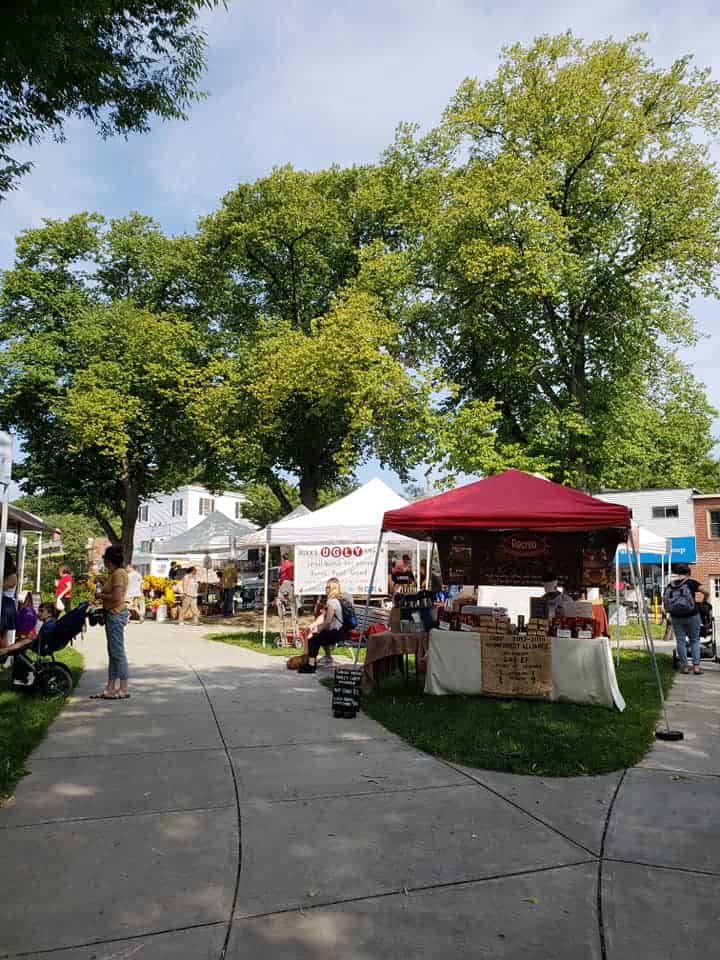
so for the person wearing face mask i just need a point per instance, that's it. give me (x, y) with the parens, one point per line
(554, 597)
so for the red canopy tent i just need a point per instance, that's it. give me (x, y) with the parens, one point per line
(508, 501)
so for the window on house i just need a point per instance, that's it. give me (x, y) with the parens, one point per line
(662, 513)
(143, 514)
(146, 546)
(177, 508)
(714, 522)
(207, 505)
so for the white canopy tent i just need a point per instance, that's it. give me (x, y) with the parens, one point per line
(264, 537)
(216, 534)
(356, 518)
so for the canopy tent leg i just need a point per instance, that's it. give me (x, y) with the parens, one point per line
(617, 608)
(369, 592)
(38, 565)
(20, 560)
(417, 565)
(428, 560)
(636, 576)
(3, 529)
(266, 591)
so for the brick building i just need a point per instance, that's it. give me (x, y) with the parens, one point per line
(707, 539)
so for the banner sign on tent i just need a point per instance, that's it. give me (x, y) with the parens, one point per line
(525, 557)
(351, 563)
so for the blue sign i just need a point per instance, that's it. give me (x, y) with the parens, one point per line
(683, 550)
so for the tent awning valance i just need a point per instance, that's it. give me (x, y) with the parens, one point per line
(508, 501)
(27, 522)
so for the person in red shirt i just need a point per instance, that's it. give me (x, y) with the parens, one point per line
(64, 589)
(287, 570)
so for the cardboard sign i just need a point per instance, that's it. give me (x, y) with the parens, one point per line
(351, 563)
(516, 666)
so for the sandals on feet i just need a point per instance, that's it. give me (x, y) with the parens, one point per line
(105, 696)
(684, 669)
(697, 671)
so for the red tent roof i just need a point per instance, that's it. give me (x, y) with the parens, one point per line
(507, 501)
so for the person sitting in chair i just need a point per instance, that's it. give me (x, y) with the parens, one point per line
(331, 630)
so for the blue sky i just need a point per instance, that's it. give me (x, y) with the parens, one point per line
(312, 83)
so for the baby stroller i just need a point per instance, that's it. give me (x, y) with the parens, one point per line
(47, 677)
(708, 640)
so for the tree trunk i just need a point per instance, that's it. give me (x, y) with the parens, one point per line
(309, 488)
(129, 519)
(276, 487)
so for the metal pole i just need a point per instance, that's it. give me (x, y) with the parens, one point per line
(369, 591)
(39, 563)
(617, 606)
(417, 564)
(20, 560)
(266, 586)
(3, 530)
(635, 569)
(428, 560)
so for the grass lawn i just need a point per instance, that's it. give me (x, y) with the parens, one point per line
(23, 721)
(252, 640)
(526, 736)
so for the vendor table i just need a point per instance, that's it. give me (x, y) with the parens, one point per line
(383, 647)
(582, 670)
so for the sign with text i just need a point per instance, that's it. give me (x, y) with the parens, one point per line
(516, 666)
(351, 563)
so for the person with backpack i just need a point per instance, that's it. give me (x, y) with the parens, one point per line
(337, 624)
(680, 605)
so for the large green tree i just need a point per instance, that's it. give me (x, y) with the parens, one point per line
(115, 62)
(98, 369)
(560, 219)
(312, 380)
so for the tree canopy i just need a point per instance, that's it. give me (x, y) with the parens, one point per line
(310, 376)
(95, 371)
(115, 63)
(567, 214)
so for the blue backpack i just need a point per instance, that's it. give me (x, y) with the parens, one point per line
(349, 620)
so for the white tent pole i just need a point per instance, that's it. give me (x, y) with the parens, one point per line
(369, 592)
(428, 560)
(21, 561)
(39, 563)
(417, 564)
(266, 586)
(3, 529)
(617, 606)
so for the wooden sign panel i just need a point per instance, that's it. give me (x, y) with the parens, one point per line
(516, 666)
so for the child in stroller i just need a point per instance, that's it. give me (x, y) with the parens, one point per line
(43, 674)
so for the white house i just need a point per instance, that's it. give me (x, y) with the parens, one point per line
(169, 514)
(667, 512)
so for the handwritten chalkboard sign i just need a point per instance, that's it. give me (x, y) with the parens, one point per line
(346, 692)
(516, 666)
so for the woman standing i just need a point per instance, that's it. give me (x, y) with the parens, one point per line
(190, 595)
(117, 615)
(64, 589)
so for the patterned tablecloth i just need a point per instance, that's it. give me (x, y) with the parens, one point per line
(383, 648)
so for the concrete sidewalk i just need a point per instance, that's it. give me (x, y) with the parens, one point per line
(223, 812)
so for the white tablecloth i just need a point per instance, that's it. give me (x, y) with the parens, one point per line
(582, 670)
